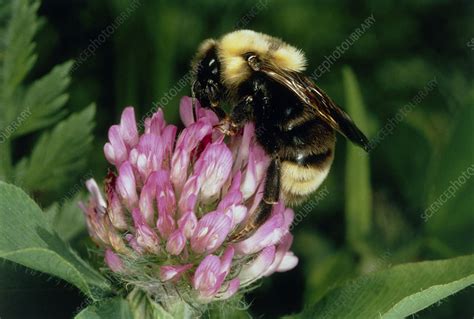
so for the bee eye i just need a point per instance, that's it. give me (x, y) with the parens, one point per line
(247, 55)
(212, 62)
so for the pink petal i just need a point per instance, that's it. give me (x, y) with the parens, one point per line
(128, 127)
(210, 233)
(166, 204)
(176, 242)
(258, 197)
(147, 197)
(132, 242)
(113, 261)
(165, 225)
(213, 168)
(261, 159)
(179, 168)
(145, 235)
(268, 234)
(192, 135)
(186, 111)
(149, 144)
(206, 278)
(289, 262)
(147, 157)
(126, 185)
(167, 139)
(230, 203)
(208, 116)
(255, 269)
(188, 140)
(235, 186)
(257, 164)
(173, 273)
(226, 260)
(236, 213)
(230, 199)
(229, 290)
(188, 223)
(250, 180)
(115, 210)
(189, 195)
(156, 123)
(96, 195)
(116, 241)
(165, 196)
(244, 146)
(115, 151)
(95, 223)
(288, 213)
(281, 250)
(110, 153)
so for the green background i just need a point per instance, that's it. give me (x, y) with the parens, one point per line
(410, 43)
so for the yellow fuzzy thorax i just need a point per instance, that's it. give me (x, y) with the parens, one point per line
(234, 45)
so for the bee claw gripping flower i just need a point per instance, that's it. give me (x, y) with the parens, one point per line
(174, 201)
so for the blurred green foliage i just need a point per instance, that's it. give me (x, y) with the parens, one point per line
(410, 43)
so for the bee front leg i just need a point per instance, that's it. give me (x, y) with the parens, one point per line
(241, 114)
(271, 194)
(219, 112)
(227, 127)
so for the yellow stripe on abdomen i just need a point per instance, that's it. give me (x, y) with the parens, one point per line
(297, 181)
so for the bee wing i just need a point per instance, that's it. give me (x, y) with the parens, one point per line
(311, 95)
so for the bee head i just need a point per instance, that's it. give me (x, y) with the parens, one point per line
(207, 86)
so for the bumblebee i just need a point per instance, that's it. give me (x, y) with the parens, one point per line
(295, 121)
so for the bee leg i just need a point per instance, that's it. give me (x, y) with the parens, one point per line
(219, 112)
(227, 127)
(239, 116)
(242, 112)
(271, 191)
(271, 195)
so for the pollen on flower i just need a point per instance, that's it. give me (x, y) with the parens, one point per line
(174, 200)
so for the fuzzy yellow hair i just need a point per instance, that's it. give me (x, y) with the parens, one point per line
(234, 45)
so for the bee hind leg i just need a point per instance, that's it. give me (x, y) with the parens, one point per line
(271, 194)
(271, 191)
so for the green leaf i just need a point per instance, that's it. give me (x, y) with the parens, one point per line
(25, 109)
(324, 266)
(358, 207)
(58, 153)
(66, 218)
(113, 308)
(18, 56)
(395, 293)
(44, 99)
(328, 273)
(448, 210)
(28, 239)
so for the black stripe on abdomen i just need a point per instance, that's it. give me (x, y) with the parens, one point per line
(309, 159)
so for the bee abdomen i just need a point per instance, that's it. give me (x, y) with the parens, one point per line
(302, 175)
